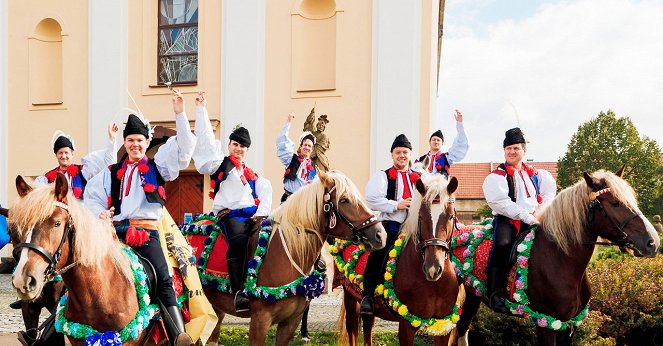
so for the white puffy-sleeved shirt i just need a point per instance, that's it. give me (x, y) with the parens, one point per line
(92, 163)
(233, 193)
(171, 157)
(285, 148)
(496, 191)
(376, 197)
(457, 151)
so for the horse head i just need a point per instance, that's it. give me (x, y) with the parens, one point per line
(614, 215)
(43, 228)
(435, 216)
(346, 216)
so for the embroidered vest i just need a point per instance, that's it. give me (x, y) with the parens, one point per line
(153, 185)
(441, 164)
(78, 182)
(221, 174)
(392, 177)
(511, 181)
(291, 171)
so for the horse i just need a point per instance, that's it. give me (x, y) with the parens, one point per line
(330, 205)
(60, 236)
(423, 279)
(602, 205)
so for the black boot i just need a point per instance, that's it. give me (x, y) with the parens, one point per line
(496, 297)
(45, 335)
(175, 327)
(366, 306)
(236, 274)
(16, 305)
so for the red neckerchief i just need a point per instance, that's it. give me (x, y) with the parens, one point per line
(142, 168)
(309, 166)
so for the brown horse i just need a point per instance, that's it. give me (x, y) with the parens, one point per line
(60, 235)
(601, 205)
(330, 205)
(430, 292)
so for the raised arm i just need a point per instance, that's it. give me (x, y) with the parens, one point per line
(284, 146)
(97, 160)
(176, 153)
(208, 153)
(461, 144)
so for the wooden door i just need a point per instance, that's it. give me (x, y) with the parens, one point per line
(185, 195)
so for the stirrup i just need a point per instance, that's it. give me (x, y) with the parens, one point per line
(366, 306)
(242, 302)
(496, 303)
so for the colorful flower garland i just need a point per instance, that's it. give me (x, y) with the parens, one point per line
(212, 232)
(310, 286)
(432, 326)
(146, 312)
(521, 306)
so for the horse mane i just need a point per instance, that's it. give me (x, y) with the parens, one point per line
(437, 186)
(300, 213)
(565, 218)
(93, 238)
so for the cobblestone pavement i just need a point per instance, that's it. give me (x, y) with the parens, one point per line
(323, 314)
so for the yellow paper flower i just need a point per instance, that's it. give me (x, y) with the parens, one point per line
(416, 323)
(361, 286)
(392, 253)
(398, 242)
(455, 318)
(385, 293)
(351, 277)
(380, 289)
(402, 310)
(387, 276)
(333, 249)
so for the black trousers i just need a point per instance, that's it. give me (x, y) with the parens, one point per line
(505, 236)
(237, 231)
(151, 250)
(377, 260)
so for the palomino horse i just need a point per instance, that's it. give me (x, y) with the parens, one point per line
(424, 287)
(60, 235)
(602, 205)
(330, 205)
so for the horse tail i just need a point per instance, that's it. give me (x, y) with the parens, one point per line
(344, 339)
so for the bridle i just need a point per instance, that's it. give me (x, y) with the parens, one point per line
(53, 260)
(623, 240)
(435, 241)
(331, 211)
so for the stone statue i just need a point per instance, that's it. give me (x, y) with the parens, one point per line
(319, 155)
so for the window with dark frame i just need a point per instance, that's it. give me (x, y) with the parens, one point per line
(178, 42)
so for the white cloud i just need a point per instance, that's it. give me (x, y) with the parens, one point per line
(557, 68)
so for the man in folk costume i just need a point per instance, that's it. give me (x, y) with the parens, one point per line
(239, 194)
(132, 195)
(439, 162)
(514, 191)
(300, 169)
(91, 164)
(390, 193)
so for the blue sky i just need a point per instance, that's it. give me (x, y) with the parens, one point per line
(548, 66)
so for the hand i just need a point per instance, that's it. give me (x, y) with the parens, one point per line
(112, 131)
(291, 116)
(178, 102)
(201, 100)
(458, 116)
(404, 203)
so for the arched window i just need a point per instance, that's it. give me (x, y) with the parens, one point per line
(45, 63)
(178, 42)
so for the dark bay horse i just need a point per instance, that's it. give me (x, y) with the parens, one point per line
(60, 235)
(423, 280)
(330, 205)
(600, 205)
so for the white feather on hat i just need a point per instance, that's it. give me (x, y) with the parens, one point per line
(58, 134)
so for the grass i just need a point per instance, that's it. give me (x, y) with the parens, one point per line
(236, 336)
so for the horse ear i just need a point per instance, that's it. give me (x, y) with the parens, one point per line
(452, 186)
(61, 187)
(22, 187)
(326, 179)
(421, 186)
(589, 180)
(620, 171)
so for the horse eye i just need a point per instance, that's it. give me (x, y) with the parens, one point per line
(57, 224)
(615, 203)
(344, 200)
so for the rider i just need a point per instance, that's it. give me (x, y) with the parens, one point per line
(239, 195)
(390, 193)
(131, 194)
(439, 162)
(514, 191)
(300, 169)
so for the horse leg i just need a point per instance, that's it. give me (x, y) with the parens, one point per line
(260, 323)
(351, 318)
(442, 340)
(304, 329)
(368, 329)
(565, 337)
(214, 337)
(286, 330)
(545, 336)
(406, 333)
(470, 309)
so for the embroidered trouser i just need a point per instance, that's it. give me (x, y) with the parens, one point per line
(152, 252)
(374, 272)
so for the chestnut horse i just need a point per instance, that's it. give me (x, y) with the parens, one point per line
(424, 280)
(330, 205)
(600, 205)
(60, 235)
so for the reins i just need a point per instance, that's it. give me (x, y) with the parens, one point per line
(330, 211)
(439, 242)
(623, 241)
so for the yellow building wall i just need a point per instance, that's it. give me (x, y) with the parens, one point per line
(32, 126)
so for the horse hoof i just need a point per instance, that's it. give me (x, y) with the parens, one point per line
(305, 340)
